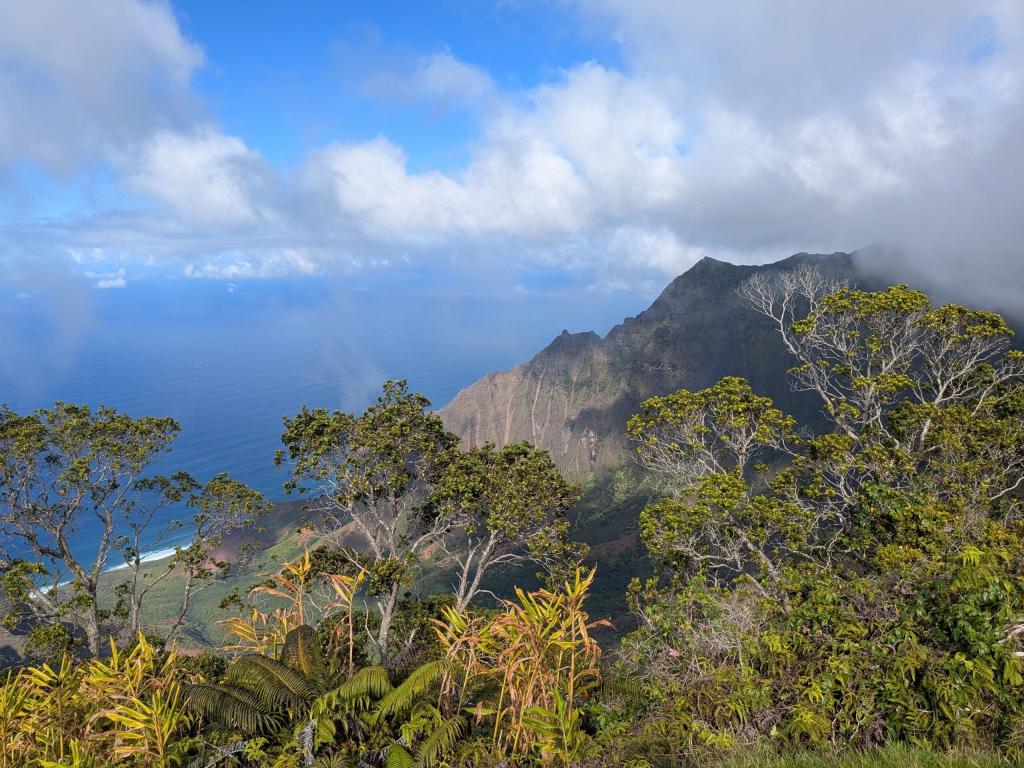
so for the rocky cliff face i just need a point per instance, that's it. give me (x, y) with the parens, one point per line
(574, 397)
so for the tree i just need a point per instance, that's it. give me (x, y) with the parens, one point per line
(160, 492)
(916, 395)
(882, 553)
(221, 506)
(69, 469)
(374, 473)
(506, 508)
(717, 520)
(60, 469)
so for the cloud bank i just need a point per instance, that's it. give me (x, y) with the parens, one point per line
(744, 131)
(81, 79)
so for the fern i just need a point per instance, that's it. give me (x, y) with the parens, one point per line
(398, 757)
(302, 652)
(233, 707)
(440, 742)
(277, 685)
(369, 682)
(221, 753)
(630, 689)
(366, 685)
(338, 708)
(402, 698)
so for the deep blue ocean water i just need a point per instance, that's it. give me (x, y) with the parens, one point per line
(228, 361)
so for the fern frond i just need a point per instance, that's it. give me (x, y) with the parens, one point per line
(631, 689)
(277, 685)
(402, 698)
(398, 757)
(235, 708)
(302, 652)
(368, 681)
(440, 742)
(359, 692)
(221, 753)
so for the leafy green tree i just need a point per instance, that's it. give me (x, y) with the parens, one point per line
(856, 585)
(220, 507)
(711, 446)
(506, 507)
(887, 366)
(136, 531)
(63, 467)
(374, 473)
(920, 399)
(69, 466)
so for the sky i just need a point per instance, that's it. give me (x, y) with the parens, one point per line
(517, 144)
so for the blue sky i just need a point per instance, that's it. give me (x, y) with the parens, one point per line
(291, 80)
(514, 145)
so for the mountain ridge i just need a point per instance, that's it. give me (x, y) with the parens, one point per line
(574, 396)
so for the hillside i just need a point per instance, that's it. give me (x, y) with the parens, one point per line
(574, 397)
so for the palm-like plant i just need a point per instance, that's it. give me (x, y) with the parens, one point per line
(402, 726)
(264, 632)
(15, 700)
(327, 711)
(343, 606)
(262, 693)
(526, 669)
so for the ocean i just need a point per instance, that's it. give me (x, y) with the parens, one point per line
(229, 360)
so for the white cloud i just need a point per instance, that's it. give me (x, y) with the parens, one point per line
(439, 82)
(78, 79)
(743, 136)
(118, 279)
(738, 133)
(444, 79)
(236, 266)
(368, 184)
(595, 144)
(205, 177)
(830, 126)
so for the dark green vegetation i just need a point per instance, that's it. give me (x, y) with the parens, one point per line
(841, 590)
(887, 757)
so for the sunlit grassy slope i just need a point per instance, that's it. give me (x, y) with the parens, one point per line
(606, 519)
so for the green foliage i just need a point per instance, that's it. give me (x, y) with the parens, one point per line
(125, 709)
(394, 482)
(379, 455)
(57, 467)
(857, 587)
(205, 666)
(507, 507)
(233, 707)
(276, 685)
(302, 652)
(69, 463)
(374, 472)
(260, 693)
